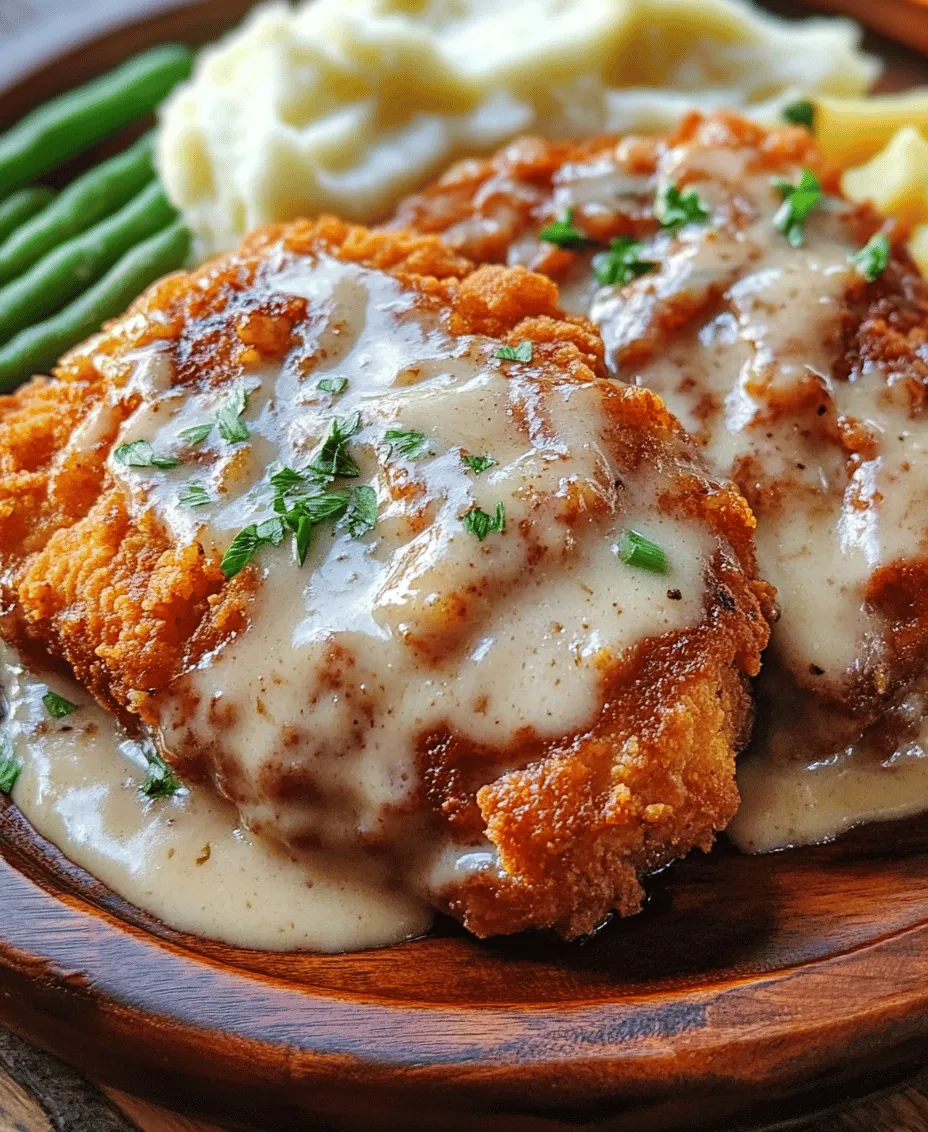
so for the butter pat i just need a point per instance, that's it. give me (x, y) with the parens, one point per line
(345, 105)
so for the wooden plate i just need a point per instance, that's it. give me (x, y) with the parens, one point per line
(750, 991)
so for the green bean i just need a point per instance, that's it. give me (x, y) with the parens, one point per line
(68, 124)
(88, 199)
(39, 347)
(19, 207)
(69, 269)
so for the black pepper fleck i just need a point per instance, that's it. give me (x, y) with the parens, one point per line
(726, 601)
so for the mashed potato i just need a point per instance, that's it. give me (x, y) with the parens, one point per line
(345, 105)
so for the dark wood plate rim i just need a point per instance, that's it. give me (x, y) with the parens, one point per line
(153, 1013)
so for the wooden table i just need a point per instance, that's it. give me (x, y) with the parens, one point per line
(38, 1093)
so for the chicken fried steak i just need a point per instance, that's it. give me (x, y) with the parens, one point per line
(366, 537)
(789, 333)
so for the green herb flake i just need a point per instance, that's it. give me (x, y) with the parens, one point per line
(333, 384)
(231, 427)
(194, 496)
(243, 548)
(286, 479)
(798, 203)
(322, 508)
(636, 550)
(564, 234)
(333, 458)
(302, 536)
(161, 781)
(197, 434)
(270, 531)
(521, 353)
(10, 767)
(622, 263)
(361, 515)
(675, 209)
(800, 113)
(140, 454)
(408, 442)
(481, 524)
(57, 706)
(478, 464)
(300, 515)
(873, 258)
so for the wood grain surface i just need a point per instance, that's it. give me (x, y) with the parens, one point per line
(821, 902)
(48, 1105)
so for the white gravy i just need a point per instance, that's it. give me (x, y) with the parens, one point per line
(792, 802)
(185, 859)
(312, 718)
(767, 328)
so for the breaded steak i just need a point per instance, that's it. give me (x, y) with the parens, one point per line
(788, 330)
(366, 537)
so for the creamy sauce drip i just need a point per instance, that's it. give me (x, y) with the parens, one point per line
(186, 859)
(350, 660)
(766, 329)
(313, 718)
(790, 800)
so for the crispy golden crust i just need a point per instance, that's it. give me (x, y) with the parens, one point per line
(483, 209)
(651, 779)
(106, 591)
(638, 810)
(102, 587)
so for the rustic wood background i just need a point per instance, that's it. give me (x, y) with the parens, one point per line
(38, 1093)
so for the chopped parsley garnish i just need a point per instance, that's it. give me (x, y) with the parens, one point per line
(564, 233)
(478, 464)
(57, 706)
(197, 434)
(800, 113)
(300, 503)
(270, 531)
(481, 524)
(10, 767)
(361, 515)
(286, 479)
(249, 541)
(302, 536)
(300, 515)
(244, 547)
(622, 263)
(873, 258)
(161, 782)
(228, 420)
(675, 209)
(333, 384)
(140, 454)
(521, 353)
(798, 203)
(333, 459)
(321, 508)
(194, 496)
(410, 444)
(636, 550)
